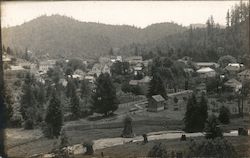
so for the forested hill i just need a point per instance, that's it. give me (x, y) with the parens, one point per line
(207, 43)
(63, 36)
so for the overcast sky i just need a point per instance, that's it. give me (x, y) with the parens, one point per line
(137, 13)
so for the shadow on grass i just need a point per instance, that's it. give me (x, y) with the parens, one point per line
(100, 117)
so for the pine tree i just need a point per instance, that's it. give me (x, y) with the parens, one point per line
(189, 115)
(8, 100)
(157, 86)
(228, 19)
(203, 111)
(104, 97)
(54, 116)
(75, 106)
(224, 115)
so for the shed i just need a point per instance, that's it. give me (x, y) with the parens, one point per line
(156, 103)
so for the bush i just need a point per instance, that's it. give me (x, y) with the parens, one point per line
(224, 115)
(211, 128)
(28, 124)
(127, 130)
(16, 122)
(89, 147)
(217, 148)
(158, 151)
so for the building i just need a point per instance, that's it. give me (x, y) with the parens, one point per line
(206, 72)
(244, 75)
(234, 68)
(156, 103)
(207, 64)
(233, 85)
(100, 68)
(133, 60)
(45, 65)
(143, 84)
(178, 101)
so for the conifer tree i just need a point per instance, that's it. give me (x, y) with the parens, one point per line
(75, 106)
(157, 86)
(54, 116)
(104, 96)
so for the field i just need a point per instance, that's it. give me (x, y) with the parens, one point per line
(242, 145)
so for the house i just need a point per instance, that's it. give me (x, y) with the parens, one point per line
(233, 85)
(156, 103)
(45, 65)
(244, 75)
(234, 68)
(137, 69)
(206, 72)
(133, 60)
(178, 101)
(143, 84)
(90, 78)
(207, 64)
(100, 68)
(185, 60)
(79, 74)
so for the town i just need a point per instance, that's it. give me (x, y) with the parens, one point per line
(97, 106)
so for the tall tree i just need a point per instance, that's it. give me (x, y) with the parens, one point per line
(157, 86)
(228, 19)
(104, 96)
(54, 116)
(75, 106)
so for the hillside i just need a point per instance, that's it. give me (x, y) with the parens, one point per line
(60, 35)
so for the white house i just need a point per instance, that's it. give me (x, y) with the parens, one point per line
(206, 72)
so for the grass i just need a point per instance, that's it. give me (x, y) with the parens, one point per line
(241, 144)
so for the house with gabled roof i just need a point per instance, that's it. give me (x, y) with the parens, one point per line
(244, 75)
(156, 103)
(233, 85)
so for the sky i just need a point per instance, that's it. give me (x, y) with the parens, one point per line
(136, 13)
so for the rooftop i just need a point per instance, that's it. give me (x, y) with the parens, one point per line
(205, 69)
(158, 98)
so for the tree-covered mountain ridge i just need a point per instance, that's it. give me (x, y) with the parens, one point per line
(58, 35)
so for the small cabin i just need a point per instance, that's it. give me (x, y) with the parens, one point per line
(156, 103)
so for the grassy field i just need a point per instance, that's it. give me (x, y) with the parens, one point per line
(32, 142)
(132, 150)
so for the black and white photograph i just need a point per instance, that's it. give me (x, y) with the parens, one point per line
(125, 79)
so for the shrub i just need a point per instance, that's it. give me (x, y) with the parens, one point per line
(28, 124)
(89, 147)
(217, 148)
(224, 115)
(211, 128)
(158, 151)
(127, 130)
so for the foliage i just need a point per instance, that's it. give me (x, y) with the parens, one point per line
(54, 116)
(64, 142)
(156, 86)
(225, 60)
(224, 116)
(104, 96)
(216, 148)
(196, 114)
(8, 101)
(75, 106)
(120, 68)
(211, 128)
(158, 150)
(28, 124)
(127, 130)
(89, 147)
